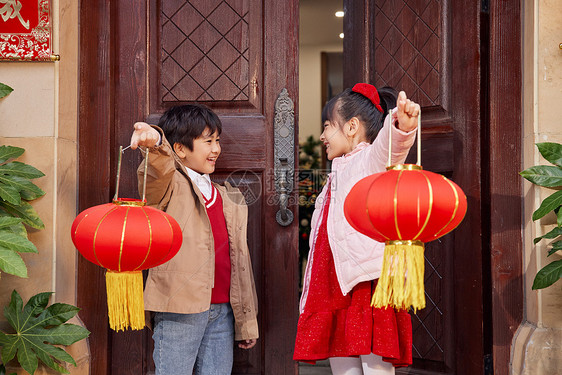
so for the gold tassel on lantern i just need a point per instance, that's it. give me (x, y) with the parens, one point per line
(125, 302)
(401, 281)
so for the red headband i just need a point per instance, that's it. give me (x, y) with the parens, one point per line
(370, 92)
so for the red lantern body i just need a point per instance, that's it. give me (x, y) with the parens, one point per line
(355, 208)
(126, 237)
(404, 207)
(405, 204)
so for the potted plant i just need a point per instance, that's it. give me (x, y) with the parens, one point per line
(549, 176)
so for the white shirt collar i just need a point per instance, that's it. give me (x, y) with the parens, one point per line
(202, 181)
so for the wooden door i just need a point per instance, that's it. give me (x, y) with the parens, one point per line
(138, 58)
(431, 50)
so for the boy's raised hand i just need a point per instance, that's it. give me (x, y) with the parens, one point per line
(144, 135)
(407, 114)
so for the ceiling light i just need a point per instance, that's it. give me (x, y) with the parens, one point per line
(341, 35)
(339, 13)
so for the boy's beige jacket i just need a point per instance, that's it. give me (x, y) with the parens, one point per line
(183, 284)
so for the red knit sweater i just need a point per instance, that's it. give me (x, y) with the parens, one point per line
(221, 291)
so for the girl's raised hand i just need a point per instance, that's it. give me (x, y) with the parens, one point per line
(407, 114)
(144, 135)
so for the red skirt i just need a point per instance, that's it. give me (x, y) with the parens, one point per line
(334, 325)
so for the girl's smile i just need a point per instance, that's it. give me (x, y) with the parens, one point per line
(334, 140)
(340, 140)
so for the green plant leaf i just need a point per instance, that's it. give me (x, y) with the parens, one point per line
(548, 204)
(35, 306)
(22, 184)
(16, 228)
(17, 168)
(65, 334)
(548, 275)
(46, 353)
(10, 152)
(37, 328)
(552, 152)
(557, 231)
(10, 194)
(59, 313)
(24, 211)
(9, 348)
(3, 339)
(558, 213)
(26, 359)
(29, 196)
(543, 175)
(12, 241)
(11, 262)
(11, 311)
(557, 245)
(8, 221)
(5, 90)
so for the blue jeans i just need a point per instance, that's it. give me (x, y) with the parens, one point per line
(198, 344)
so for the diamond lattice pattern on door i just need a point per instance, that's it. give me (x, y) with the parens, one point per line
(408, 48)
(204, 50)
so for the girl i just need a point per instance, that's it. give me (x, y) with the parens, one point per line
(337, 321)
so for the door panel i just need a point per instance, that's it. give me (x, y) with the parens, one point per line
(235, 56)
(209, 51)
(410, 54)
(430, 49)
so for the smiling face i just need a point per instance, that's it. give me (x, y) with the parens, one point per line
(203, 157)
(335, 140)
(339, 136)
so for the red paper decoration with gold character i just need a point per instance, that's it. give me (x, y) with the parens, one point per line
(26, 30)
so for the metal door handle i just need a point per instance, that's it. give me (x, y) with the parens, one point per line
(284, 133)
(284, 216)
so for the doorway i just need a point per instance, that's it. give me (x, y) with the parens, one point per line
(320, 79)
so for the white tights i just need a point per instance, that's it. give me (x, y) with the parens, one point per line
(364, 365)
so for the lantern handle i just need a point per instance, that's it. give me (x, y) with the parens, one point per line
(121, 151)
(390, 141)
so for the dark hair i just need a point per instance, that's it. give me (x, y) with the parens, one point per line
(350, 104)
(182, 124)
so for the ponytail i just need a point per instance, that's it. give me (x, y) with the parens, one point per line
(388, 97)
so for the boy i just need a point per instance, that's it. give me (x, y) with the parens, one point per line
(204, 298)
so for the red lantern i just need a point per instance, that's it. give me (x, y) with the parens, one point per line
(126, 237)
(404, 207)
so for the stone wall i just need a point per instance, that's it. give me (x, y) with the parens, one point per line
(537, 347)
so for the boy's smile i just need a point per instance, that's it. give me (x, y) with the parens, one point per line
(203, 157)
